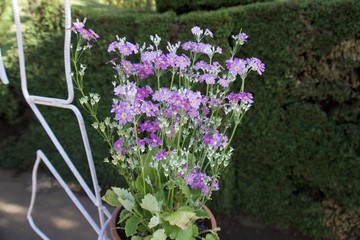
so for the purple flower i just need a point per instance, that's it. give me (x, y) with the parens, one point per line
(149, 109)
(198, 180)
(154, 141)
(189, 179)
(78, 24)
(128, 67)
(135, 109)
(216, 140)
(149, 56)
(118, 145)
(195, 101)
(162, 94)
(187, 45)
(123, 115)
(224, 82)
(240, 38)
(112, 46)
(145, 125)
(161, 62)
(207, 139)
(214, 102)
(197, 31)
(161, 155)
(208, 78)
(153, 127)
(256, 65)
(142, 74)
(201, 65)
(215, 185)
(171, 59)
(233, 97)
(146, 67)
(205, 190)
(182, 62)
(140, 142)
(124, 49)
(208, 33)
(246, 97)
(237, 66)
(142, 93)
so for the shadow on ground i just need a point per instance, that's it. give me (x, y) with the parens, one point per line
(57, 216)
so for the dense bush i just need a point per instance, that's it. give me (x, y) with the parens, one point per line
(185, 6)
(298, 148)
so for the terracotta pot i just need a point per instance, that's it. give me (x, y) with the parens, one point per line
(210, 223)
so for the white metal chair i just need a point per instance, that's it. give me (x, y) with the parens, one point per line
(33, 101)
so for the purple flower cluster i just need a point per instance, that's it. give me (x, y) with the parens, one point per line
(198, 180)
(240, 66)
(215, 140)
(240, 38)
(244, 97)
(87, 34)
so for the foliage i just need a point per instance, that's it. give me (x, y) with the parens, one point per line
(185, 6)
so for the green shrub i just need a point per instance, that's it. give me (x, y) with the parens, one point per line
(185, 6)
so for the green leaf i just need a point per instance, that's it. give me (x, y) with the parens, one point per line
(150, 203)
(170, 230)
(185, 190)
(111, 198)
(180, 218)
(136, 238)
(210, 236)
(124, 214)
(131, 226)
(125, 198)
(201, 213)
(159, 235)
(154, 221)
(187, 234)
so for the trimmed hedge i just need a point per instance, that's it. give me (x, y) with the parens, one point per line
(185, 6)
(299, 146)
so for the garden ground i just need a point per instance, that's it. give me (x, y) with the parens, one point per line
(56, 215)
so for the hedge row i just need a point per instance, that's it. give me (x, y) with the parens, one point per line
(298, 150)
(185, 6)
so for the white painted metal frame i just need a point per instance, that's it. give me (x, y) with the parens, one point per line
(3, 76)
(32, 100)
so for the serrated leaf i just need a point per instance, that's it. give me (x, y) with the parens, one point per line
(111, 198)
(125, 198)
(127, 204)
(154, 221)
(131, 226)
(180, 218)
(159, 235)
(150, 203)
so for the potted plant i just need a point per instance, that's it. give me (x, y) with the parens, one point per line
(169, 131)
